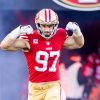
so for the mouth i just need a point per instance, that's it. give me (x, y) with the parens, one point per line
(47, 33)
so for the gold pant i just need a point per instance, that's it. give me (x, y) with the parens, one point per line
(95, 93)
(44, 91)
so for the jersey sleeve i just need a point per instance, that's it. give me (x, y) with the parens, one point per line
(63, 35)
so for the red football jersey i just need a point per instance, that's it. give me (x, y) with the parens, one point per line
(92, 67)
(43, 57)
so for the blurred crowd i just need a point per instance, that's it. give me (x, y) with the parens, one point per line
(81, 79)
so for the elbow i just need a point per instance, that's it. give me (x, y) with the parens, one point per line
(81, 45)
(80, 41)
(3, 46)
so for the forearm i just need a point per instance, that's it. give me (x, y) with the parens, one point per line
(7, 42)
(79, 40)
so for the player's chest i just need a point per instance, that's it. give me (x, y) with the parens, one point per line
(45, 45)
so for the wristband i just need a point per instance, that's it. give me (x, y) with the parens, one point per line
(77, 32)
(15, 33)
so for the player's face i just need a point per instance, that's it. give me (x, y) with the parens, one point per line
(46, 29)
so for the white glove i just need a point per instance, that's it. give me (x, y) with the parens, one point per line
(21, 30)
(26, 29)
(73, 26)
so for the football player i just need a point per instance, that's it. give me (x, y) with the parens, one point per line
(42, 51)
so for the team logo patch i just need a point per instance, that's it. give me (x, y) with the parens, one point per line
(81, 5)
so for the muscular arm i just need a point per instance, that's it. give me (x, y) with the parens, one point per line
(10, 44)
(77, 39)
(74, 42)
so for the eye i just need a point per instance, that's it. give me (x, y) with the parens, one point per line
(50, 25)
(43, 25)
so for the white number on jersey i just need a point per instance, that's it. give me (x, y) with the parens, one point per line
(44, 62)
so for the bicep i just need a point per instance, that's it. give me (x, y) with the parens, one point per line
(74, 42)
(70, 43)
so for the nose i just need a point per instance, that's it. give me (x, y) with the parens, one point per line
(47, 27)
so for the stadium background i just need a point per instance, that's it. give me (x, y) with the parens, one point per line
(13, 70)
